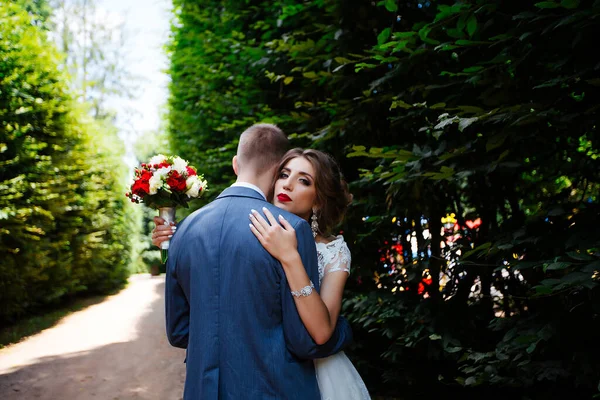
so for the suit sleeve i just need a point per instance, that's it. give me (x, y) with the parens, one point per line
(298, 340)
(177, 308)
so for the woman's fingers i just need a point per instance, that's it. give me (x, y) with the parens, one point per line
(163, 234)
(257, 223)
(163, 230)
(261, 220)
(159, 239)
(286, 225)
(272, 228)
(270, 217)
(158, 221)
(256, 233)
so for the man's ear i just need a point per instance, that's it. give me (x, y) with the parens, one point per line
(234, 164)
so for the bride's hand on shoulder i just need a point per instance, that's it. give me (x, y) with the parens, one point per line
(162, 231)
(277, 237)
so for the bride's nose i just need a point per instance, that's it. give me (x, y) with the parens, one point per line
(287, 184)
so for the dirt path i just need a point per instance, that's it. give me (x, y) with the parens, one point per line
(113, 350)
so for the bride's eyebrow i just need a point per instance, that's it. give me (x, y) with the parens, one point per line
(306, 174)
(286, 169)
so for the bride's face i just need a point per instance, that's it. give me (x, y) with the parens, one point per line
(295, 187)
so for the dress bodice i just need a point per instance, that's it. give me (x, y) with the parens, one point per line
(333, 256)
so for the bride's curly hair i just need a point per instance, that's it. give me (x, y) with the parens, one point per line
(333, 195)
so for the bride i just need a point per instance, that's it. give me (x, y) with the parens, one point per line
(309, 184)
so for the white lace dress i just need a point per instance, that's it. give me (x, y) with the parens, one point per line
(337, 377)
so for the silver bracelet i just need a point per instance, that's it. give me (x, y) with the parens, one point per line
(305, 291)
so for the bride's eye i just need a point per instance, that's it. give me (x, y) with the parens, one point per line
(283, 175)
(305, 182)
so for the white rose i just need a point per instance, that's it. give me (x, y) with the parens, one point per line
(180, 165)
(155, 183)
(162, 171)
(157, 159)
(193, 184)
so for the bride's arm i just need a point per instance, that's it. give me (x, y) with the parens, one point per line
(319, 313)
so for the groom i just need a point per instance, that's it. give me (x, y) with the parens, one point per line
(227, 300)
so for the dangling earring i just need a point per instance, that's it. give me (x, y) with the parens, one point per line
(314, 224)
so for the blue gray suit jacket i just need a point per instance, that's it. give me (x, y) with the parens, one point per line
(229, 304)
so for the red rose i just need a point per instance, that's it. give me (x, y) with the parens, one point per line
(146, 175)
(141, 186)
(163, 164)
(176, 182)
(190, 171)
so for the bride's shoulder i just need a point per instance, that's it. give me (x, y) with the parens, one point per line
(335, 253)
(335, 242)
(330, 239)
(338, 238)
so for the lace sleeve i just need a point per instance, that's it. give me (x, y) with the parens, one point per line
(339, 259)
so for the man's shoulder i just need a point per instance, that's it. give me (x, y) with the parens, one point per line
(290, 217)
(199, 213)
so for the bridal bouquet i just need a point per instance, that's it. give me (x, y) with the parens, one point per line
(165, 183)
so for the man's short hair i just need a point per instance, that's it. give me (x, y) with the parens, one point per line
(261, 147)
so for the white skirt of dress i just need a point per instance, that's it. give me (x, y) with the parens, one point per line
(339, 380)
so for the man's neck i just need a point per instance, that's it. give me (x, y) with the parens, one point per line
(262, 184)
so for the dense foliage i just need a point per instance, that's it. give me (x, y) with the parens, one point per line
(213, 91)
(65, 223)
(469, 133)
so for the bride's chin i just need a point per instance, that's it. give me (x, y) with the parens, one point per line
(284, 206)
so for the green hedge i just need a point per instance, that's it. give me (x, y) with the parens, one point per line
(65, 224)
(485, 109)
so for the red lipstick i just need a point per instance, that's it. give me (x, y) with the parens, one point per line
(282, 197)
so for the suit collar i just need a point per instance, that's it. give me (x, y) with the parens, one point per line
(250, 186)
(239, 191)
